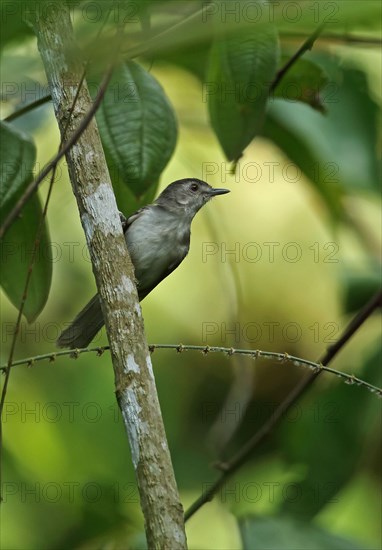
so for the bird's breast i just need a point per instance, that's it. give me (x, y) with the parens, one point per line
(155, 244)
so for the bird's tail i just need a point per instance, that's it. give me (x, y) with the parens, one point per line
(84, 327)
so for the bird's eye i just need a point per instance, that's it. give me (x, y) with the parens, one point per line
(194, 187)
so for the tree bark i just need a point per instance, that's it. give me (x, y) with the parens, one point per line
(113, 270)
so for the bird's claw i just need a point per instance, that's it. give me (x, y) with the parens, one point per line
(123, 219)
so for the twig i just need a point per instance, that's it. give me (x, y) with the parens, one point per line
(28, 107)
(284, 358)
(32, 187)
(333, 37)
(7, 369)
(29, 192)
(307, 45)
(231, 466)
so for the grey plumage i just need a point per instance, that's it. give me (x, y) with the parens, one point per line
(158, 240)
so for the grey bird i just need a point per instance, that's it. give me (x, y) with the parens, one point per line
(158, 240)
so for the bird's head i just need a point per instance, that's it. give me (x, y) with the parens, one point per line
(188, 195)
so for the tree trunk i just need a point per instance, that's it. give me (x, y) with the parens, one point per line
(113, 270)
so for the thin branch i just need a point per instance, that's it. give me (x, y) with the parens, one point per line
(7, 370)
(231, 466)
(28, 107)
(284, 358)
(307, 45)
(32, 187)
(337, 38)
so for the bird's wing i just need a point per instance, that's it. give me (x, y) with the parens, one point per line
(143, 292)
(126, 222)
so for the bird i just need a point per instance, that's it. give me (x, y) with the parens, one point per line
(158, 239)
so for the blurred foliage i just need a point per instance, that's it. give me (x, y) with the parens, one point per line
(303, 82)
(17, 157)
(287, 534)
(359, 289)
(68, 481)
(320, 145)
(339, 424)
(13, 26)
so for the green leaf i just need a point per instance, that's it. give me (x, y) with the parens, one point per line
(241, 69)
(358, 289)
(337, 151)
(17, 155)
(283, 533)
(303, 82)
(192, 58)
(322, 174)
(138, 130)
(127, 202)
(16, 251)
(12, 24)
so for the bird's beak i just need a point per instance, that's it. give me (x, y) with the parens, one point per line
(218, 191)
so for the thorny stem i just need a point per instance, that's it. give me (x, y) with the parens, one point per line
(232, 465)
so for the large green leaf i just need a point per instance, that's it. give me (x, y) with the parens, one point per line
(283, 533)
(138, 130)
(241, 68)
(12, 24)
(337, 151)
(17, 155)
